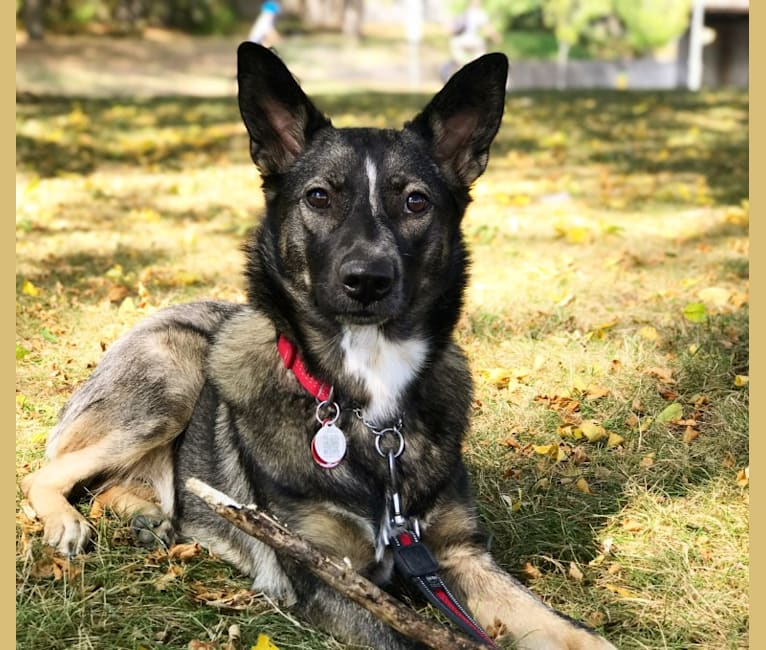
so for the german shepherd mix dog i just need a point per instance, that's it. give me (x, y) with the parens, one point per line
(336, 397)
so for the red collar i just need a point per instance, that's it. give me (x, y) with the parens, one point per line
(293, 361)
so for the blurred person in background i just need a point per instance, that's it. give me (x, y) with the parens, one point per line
(470, 33)
(264, 30)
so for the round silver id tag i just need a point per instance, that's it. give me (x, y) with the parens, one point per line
(328, 446)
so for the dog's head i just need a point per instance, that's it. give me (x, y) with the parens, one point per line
(363, 225)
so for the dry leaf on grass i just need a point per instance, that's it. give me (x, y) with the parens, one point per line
(690, 434)
(631, 525)
(184, 551)
(621, 591)
(665, 375)
(575, 573)
(743, 477)
(531, 571)
(194, 644)
(560, 403)
(173, 572)
(53, 566)
(236, 599)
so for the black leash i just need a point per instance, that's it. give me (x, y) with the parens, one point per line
(414, 561)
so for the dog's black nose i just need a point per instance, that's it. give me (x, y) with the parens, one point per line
(367, 280)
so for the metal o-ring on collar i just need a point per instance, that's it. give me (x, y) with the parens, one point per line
(329, 404)
(398, 437)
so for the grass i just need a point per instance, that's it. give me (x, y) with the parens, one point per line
(601, 219)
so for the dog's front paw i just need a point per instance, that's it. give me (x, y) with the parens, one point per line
(565, 637)
(68, 532)
(152, 532)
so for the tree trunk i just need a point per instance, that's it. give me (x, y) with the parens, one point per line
(353, 15)
(561, 65)
(33, 15)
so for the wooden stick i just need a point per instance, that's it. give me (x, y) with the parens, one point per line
(337, 575)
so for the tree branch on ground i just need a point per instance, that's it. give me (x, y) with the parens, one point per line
(337, 575)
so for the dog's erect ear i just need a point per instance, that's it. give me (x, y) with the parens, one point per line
(279, 117)
(461, 121)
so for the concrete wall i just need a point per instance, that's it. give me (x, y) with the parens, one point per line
(642, 74)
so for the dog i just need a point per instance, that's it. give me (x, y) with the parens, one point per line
(336, 397)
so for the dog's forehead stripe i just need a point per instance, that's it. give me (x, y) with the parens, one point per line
(371, 171)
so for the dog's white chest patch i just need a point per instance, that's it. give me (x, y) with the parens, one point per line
(386, 367)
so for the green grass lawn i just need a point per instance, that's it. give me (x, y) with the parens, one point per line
(606, 324)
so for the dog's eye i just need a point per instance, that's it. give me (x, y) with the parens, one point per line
(417, 203)
(318, 198)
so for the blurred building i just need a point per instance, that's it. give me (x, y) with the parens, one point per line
(714, 50)
(713, 53)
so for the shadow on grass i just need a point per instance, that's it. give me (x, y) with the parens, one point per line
(558, 524)
(83, 272)
(647, 133)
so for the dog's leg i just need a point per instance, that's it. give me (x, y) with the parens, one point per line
(148, 523)
(118, 427)
(47, 490)
(498, 602)
(501, 603)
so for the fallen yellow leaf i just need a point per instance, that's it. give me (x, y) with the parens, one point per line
(615, 440)
(29, 289)
(743, 477)
(498, 377)
(592, 430)
(596, 391)
(621, 591)
(582, 485)
(649, 333)
(741, 380)
(263, 643)
(127, 306)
